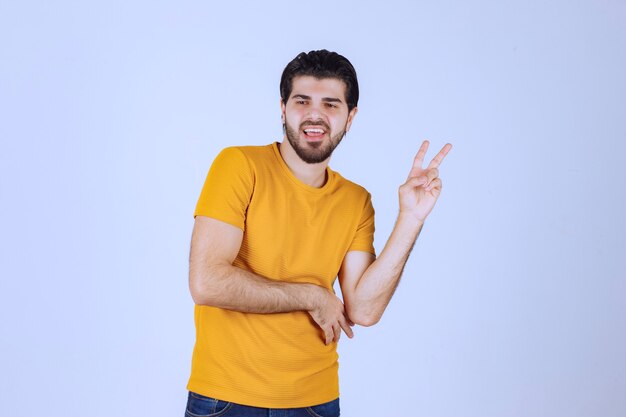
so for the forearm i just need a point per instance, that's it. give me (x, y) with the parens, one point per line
(376, 286)
(230, 287)
(369, 286)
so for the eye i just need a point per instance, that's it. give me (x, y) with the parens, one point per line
(301, 102)
(331, 105)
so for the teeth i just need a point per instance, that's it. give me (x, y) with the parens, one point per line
(314, 130)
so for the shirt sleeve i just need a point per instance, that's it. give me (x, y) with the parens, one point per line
(364, 236)
(227, 189)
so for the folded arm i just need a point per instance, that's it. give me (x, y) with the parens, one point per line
(215, 281)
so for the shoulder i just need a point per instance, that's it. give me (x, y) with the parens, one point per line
(351, 188)
(251, 151)
(345, 183)
(249, 154)
(243, 156)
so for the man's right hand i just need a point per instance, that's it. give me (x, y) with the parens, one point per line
(214, 281)
(330, 315)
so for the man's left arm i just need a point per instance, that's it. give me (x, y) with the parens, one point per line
(367, 284)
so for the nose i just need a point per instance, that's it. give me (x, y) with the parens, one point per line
(315, 113)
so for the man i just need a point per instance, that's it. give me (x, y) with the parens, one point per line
(274, 226)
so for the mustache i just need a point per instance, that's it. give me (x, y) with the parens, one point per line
(319, 123)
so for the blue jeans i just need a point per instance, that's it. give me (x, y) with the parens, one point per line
(201, 406)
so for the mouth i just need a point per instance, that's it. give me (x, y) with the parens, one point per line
(314, 132)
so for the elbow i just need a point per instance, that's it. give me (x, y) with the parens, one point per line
(199, 299)
(199, 296)
(367, 321)
(203, 293)
(365, 318)
(202, 297)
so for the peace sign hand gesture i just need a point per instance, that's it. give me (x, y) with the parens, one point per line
(419, 193)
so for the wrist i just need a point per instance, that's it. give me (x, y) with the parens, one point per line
(310, 297)
(409, 220)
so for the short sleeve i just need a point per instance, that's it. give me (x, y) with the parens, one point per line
(364, 236)
(227, 189)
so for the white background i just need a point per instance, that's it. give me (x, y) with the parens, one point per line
(514, 300)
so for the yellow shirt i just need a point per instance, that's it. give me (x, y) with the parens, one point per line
(292, 232)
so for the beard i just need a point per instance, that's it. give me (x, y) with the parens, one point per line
(312, 152)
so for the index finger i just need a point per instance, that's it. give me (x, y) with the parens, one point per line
(419, 159)
(439, 157)
(345, 325)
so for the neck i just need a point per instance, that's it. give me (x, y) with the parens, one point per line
(313, 175)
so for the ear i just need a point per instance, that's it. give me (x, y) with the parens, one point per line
(351, 115)
(283, 108)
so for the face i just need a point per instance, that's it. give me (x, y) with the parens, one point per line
(316, 117)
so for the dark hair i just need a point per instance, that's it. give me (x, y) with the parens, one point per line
(321, 64)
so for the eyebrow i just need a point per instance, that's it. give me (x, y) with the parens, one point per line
(324, 99)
